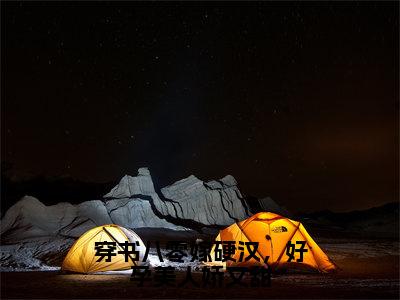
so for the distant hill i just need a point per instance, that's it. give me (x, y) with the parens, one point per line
(266, 204)
(51, 190)
(382, 221)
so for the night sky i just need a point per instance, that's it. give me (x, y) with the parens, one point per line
(297, 102)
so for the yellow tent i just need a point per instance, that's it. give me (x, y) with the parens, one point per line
(272, 232)
(81, 257)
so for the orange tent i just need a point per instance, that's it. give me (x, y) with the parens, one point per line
(272, 232)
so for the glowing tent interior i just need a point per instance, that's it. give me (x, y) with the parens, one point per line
(81, 257)
(272, 232)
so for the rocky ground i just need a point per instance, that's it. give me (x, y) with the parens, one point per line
(369, 268)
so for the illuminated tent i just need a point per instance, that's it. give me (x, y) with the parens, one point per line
(272, 232)
(81, 257)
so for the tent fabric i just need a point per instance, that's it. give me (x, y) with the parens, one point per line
(81, 257)
(272, 232)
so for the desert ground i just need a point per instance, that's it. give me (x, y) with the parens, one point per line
(368, 268)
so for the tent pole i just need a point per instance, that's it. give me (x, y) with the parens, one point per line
(112, 237)
(251, 241)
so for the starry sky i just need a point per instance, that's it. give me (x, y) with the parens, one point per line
(297, 102)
